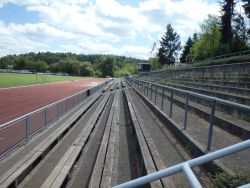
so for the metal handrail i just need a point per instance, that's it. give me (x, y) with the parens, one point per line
(186, 167)
(44, 113)
(218, 100)
(2, 126)
(141, 85)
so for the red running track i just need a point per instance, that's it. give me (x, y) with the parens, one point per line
(15, 102)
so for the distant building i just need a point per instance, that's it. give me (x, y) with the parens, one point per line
(144, 67)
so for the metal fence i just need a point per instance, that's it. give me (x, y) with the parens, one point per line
(186, 167)
(237, 73)
(246, 52)
(148, 88)
(20, 130)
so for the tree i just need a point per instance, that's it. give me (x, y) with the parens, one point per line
(239, 42)
(187, 48)
(246, 6)
(154, 63)
(227, 8)
(86, 69)
(106, 65)
(169, 46)
(207, 43)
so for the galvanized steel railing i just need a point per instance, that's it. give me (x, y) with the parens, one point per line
(147, 89)
(20, 130)
(186, 167)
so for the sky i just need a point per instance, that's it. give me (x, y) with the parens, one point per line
(119, 27)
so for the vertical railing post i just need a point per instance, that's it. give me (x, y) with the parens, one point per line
(171, 103)
(78, 99)
(186, 111)
(151, 92)
(66, 105)
(238, 85)
(162, 98)
(147, 89)
(224, 67)
(211, 124)
(27, 128)
(45, 117)
(144, 88)
(155, 94)
(57, 110)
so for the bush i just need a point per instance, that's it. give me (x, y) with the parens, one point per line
(226, 180)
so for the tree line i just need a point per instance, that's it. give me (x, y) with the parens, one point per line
(73, 64)
(218, 35)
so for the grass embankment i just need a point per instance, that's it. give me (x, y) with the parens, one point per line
(211, 62)
(13, 80)
(229, 60)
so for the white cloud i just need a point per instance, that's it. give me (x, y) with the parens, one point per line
(84, 26)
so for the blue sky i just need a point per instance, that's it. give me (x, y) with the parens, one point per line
(121, 27)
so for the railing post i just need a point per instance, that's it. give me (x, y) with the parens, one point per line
(147, 89)
(211, 124)
(155, 94)
(27, 129)
(57, 110)
(224, 75)
(66, 105)
(171, 103)
(45, 118)
(151, 92)
(162, 98)
(238, 85)
(186, 111)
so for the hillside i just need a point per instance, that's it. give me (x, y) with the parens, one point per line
(73, 64)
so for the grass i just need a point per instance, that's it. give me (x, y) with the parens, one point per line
(13, 80)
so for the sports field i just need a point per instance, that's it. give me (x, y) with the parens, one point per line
(13, 80)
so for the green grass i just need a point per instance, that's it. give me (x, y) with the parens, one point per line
(13, 80)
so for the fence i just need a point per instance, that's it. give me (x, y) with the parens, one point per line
(246, 52)
(148, 88)
(186, 167)
(239, 72)
(20, 130)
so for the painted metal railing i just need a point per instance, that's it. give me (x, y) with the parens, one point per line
(148, 88)
(186, 167)
(20, 130)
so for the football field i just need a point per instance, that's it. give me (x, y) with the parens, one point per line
(14, 80)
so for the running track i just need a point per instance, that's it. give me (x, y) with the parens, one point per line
(15, 102)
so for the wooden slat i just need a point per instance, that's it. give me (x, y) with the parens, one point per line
(109, 161)
(19, 168)
(147, 158)
(62, 169)
(167, 182)
(99, 165)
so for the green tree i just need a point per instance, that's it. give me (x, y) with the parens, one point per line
(106, 65)
(227, 9)
(169, 46)
(86, 69)
(154, 63)
(239, 42)
(246, 6)
(207, 43)
(186, 51)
